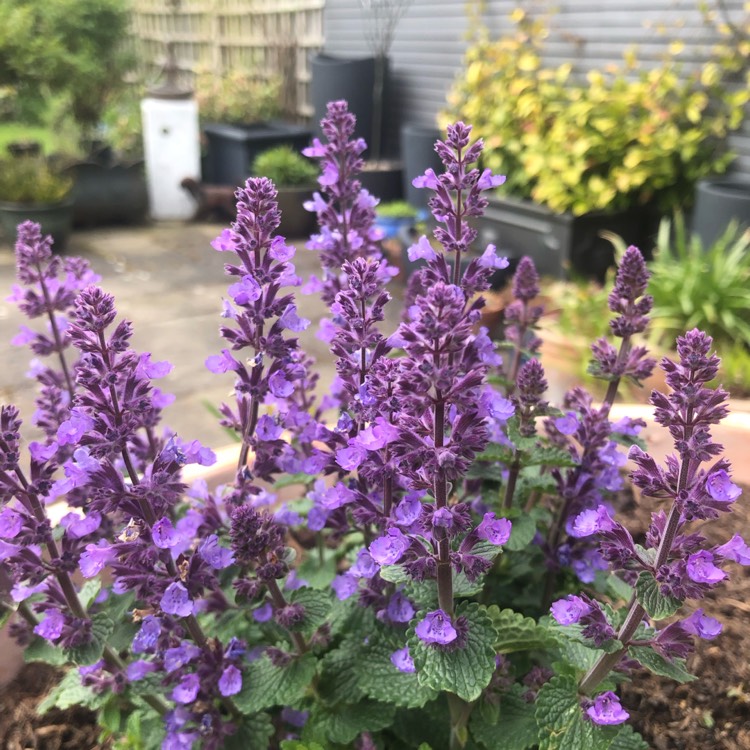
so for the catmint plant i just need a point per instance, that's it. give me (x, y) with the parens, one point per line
(434, 578)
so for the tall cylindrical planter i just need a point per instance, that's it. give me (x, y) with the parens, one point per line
(171, 143)
(718, 202)
(418, 155)
(336, 78)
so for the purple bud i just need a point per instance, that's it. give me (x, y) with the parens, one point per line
(187, 689)
(402, 660)
(494, 530)
(230, 682)
(606, 710)
(701, 568)
(436, 627)
(569, 610)
(721, 488)
(176, 600)
(389, 549)
(735, 549)
(702, 625)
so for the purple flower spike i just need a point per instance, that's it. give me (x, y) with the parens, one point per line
(230, 682)
(494, 530)
(436, 628)
(606, 710)
(701, 568)
(721, 488)
(402, 660)
(702, 625)
(569, 610)
(176, 600)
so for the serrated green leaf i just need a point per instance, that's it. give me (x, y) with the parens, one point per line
(338, 679)
(514, 726)
(394, 574)
(101, 629)
(144, 730)
(298, 745)
(464, 671)
(428, 724)
(657, 605)
(657, 664)
(110, 716)
(516, 632)
(347, 721)
(317, 606)
(69, 692)
(496, 453)
(560, 718)
(254, 734)
(381, 681)
(523, 444)
(40, 649)
(522, 532)
(617, 588)
(548, 455)
(266, 685)
(628, 739)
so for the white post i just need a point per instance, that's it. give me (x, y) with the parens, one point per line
(171, 142)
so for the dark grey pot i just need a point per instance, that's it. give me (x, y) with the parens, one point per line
(55, 219)
(418, 155)
(296, 222)
(718, 202)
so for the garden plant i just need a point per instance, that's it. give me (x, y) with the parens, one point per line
(449, 571)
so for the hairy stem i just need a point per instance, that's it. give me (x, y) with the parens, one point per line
(279, 602)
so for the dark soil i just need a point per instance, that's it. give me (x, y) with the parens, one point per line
(712, 713)
(20, 726)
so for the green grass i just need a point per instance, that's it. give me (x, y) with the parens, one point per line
(16, 131)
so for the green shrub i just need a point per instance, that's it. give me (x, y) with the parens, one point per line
(285, 167)
(32, 180)
(697, 287)
(238, 97)
(396, 210)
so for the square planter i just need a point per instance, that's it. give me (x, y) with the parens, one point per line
(559, 244)
(233, 148)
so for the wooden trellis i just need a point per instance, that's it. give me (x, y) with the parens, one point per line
(269, 37)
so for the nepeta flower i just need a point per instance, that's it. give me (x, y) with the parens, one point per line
(606, 710)
(702, 625)
(402, 660)
(436, 628)
(230, 682)
(494, 530)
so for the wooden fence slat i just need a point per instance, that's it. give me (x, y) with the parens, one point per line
(274, 37)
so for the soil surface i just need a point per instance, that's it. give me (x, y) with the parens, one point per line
(712, 713)
(21, 728)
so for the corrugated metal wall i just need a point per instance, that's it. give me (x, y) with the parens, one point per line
(430, 41)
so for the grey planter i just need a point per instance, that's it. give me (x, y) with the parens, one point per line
(718, 202)
(559, 244)
(418, 154)
(55, 219)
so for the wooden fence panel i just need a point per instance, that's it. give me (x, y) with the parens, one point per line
(268, 37)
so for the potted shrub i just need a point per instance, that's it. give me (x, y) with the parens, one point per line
(607, 152)
(239, 112)
(31, 189)
(294, 177)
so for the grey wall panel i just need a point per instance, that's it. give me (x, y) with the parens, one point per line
(430, 42)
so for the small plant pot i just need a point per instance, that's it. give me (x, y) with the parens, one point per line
(383, 180)
(717, 203)
(55, 219)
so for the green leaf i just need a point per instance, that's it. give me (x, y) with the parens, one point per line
(254, 734)
(522, 532)
(496, 453)
(657, 664)
(89, 592)
(317, 606)
(380, 680)
(266, 685)
(657, 605)
(292, 479)
(101, 629)
(144, 730)
(512, 727)
(339, 681)
(394, 574)
(560, 718)
(318, 575)
(348, 721)
(464, 671)
(69, 692)
(110, 716)
(298, 745)
(628, 739)
(40, 649)
(548, 455)
(617, 588)
(516, 632)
